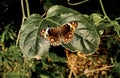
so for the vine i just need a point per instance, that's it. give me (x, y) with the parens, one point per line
(103, 10)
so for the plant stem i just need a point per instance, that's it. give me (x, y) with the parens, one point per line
(28, 10)
(104, 10)
(23, 18)
(23, 11)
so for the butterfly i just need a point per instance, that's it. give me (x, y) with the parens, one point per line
(57, 35)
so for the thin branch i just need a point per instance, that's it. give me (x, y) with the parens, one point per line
(77, 2)
(99, 69)
(23, 11)
(71, 68)
(72, 64)
(117, 19)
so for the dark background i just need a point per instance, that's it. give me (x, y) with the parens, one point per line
(10, 10)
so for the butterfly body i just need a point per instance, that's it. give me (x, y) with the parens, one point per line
(56, 36)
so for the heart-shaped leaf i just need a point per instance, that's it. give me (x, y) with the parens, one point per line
(30, 43)
(86, 38)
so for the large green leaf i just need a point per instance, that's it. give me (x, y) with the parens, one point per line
(30, 43)
(58, 10)
(86, 37)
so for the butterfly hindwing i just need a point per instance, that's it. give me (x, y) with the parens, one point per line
(54, 37)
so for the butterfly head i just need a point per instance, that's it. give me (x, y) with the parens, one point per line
(44, 32)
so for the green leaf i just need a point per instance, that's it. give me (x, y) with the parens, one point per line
(104, 24)
(49, 3)
(86, 37)
(30, 43)
(116, 70)
(96, 18)
(58, 10)
(56, 58)
(13, 75)
(117, 28)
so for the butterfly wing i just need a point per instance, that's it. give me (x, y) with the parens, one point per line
(52, 35)
(67, 31)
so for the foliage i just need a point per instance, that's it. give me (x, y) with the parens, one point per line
(93, 52)
(116, 70)
(12, 63)
(9, 35)
(86, 37)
